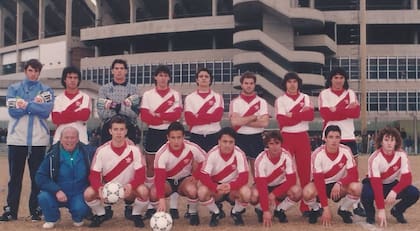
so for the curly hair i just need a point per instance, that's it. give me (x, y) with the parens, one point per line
(391, 132)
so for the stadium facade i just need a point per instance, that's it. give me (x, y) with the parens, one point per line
(270, 37)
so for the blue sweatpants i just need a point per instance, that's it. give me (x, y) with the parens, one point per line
(50, 206)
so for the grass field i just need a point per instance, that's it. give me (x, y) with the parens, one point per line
(296, 222)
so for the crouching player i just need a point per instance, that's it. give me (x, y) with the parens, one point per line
(224, 176)
(335, 175)
(389, 177)
(275, 181)
(174, 163)
(117, 161)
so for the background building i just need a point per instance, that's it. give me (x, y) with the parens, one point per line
(270, 37)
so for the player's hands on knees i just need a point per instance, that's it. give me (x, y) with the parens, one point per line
(61, 196)
(161, 205)
(326, 217)
(127, 190)
(267, 219)
(336, 192)
(271, 199)
(391, 197)
(382, 218)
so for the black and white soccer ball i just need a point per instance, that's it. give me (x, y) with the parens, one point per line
(161, 221)
(112, 192)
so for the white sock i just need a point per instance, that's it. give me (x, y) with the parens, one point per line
(173, 200)
(192, 206)
(258, 206)
(313, 204)
(211, 205)
(286, 204)
(238, 207)
(355, 205)
(139, 206)
(97, 207)
(348, 202)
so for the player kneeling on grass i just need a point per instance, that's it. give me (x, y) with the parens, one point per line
(174, 163)
(389, 177)
(275, 181)
(335, 175)
(117, 161)
(224, 176)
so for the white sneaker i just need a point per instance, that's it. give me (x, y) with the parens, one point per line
(78, 224)
(48, 225)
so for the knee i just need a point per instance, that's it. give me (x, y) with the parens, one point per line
(45, 198)
(245, 193)
(191, 191)
(413, 193)
(295, 193)
(89, 194)
(143, 192)
(254, 196)
(203, 193)
(308, 193)
(355, 189)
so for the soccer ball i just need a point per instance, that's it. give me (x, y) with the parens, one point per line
(161, 221)
(112, 192)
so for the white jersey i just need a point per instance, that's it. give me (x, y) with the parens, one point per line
(388, 170)
(196, 104)
(117, 168)
(274, 171)
(223, 170)
(179, 165)
(284, 104)
(61, 103)
(334, 167)
(155, 103)
(258, 106)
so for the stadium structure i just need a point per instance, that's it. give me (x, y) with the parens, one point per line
(270, 37)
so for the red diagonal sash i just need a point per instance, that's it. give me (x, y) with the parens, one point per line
(225, 172)
(207, 105)
(344, 102)
(181, 164)
(166, 105)
(276, 173)
(123, 164)
(336, 168)
(251, 111)
(298, 107)
(391, 170)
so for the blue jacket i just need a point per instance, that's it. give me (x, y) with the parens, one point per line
(70, 179)
(28, 127)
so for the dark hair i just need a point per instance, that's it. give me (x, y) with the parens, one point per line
(175, 126)
(120, 61)
(227, 131)
(69, 70)
(272, 135)
(248, 75)
(287, 77)
(34, 63)
(161, 68)
(332, 128)
(338, 71)
(389, 131)
(118, 120)
(205, 70)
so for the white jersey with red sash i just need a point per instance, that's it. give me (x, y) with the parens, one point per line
(284, 104)
(333, 168)
(223, 170)
(117, 168)
(274, 170)
(327, 98)
(198, 106)
(388, 169)
(155, 103)
(178, 165)
(257, 106)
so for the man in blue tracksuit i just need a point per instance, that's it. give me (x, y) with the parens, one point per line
(63, 177)
(29, 104)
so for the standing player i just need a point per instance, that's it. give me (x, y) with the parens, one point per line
(224, 176)
(204, 111)
(338, 105)
(275, 181)
(118, 97)
(249, 116)
(335, 176)
(159, 107)
(177, 169)
(389, 177)
(117, 161)
(72, 107)
(294, 111)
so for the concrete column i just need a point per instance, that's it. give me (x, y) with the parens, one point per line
(214, 7)
(69, 27)
(416, 37)
(19, 22)
(98, 13)
(133, 10)
(1, 65)
(414, 7)
(97, 52)
(171, 4)
(312, 4)
(363, 68)
(2, 17)
(41, 19)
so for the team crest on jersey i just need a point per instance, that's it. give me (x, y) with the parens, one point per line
(395, 168)
(211, 102)
(233, 166)
(128, 160)
(341, 165)
(346, 101)
(257, 107)
(301, 104)
(170, 102)
(78, 103)
(186, 161)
